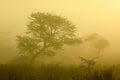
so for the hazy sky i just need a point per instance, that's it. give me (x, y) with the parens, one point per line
(101, 16)
(89, 15)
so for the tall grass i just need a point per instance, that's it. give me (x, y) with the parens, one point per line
(53, 72)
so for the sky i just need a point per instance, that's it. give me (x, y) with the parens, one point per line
(89, 16)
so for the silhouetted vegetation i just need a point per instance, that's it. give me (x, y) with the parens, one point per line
(97, 42)
(46, 34)
(54, 72)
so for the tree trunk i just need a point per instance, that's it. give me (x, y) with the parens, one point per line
(37, 54)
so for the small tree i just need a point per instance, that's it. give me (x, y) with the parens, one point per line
(97, 42)
(45, 34)
(89, 63)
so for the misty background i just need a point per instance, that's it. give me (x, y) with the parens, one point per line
(96, 16)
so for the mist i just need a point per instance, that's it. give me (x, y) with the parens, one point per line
(59, 40)
(94, 16)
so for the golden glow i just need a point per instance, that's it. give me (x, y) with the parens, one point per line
(101, 16)
(114, 4)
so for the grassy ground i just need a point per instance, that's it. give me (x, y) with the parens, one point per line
(55, 72)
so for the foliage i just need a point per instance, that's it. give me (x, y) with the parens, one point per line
(45, 33)
(53, 72)
(97, 41)
(89, 63)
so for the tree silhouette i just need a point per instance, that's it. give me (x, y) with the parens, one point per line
(45, 34)
(97, 42)
(89, 63)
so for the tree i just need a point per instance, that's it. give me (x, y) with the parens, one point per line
(97, 42)
(89, 63)
(45, 34)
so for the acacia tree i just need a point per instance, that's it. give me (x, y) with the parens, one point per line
(45, 34)
(97, 42)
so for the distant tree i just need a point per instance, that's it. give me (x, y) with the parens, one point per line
(97, 42)
(45, 34)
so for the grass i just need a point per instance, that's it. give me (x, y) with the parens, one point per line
(54, 72)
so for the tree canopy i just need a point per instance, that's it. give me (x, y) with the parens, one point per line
(97, 41)
(45, 33)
